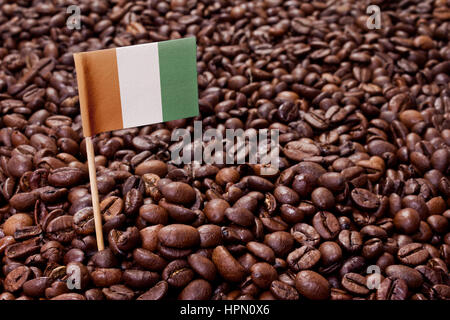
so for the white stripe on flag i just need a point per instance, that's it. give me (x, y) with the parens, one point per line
(140, 86)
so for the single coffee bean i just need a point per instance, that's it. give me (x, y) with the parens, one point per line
(353, 264)
(412, 277)
(178, 193)
(226, 175)
(326, 225)
(392, 289)
(66, 177)
(333, 181)
(407, 220)
(365, 199)
(303, 258)
(412, 254)
(215, 210)
(178, 273)
(152, 166)
(196, 290)
(105, 277)
(118, 292)
(16, 222)
(283, 291)
(16, 279)
(83, 221)
(240, 216)
(178, 236)
(281, 242)
(157, 292)
(355, 283)
(149, 260)
(305, 234)
(229, 268)
(210, 235)
(139, 279)
(263, 274)
(312, 285)
(286, 195)
(330, 253)
(323, 198)
(372, 248)
(202, 266)
(149, 237)
(69, 296)
(261, 251)
(61, 229)
(154, 214)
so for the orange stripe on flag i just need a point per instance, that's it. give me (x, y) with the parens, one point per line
(99, 92)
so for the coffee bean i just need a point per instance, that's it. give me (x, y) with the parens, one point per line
(149, 260)
(23, 201)
(105, 277)
(83, 221)
(178, 236)
(330, 253)
(69, 296)
(407, 220)
(412, 277)
(326, 225)
(210, 235)
(226, 175)
(263, 274)
(283, 291)
(215, 210)
(333, 181)
(61, 229)
(16, 222)
(312, 285)
(202, 266)
(281, 242)
(149, 237)
(157, 292)
(177, 273)
(66, 177)
(355, 283)
(139, 278)
(350, 240)
(365, 199)
(154, 214)
(123, 241)
(412, 254)
(178, 192)
(353, 264)
(240, 216)
(228, 267)
(196, 290)
(118, 292)
(178, 213)
(303, 258)
(261, 251)
(372, 248)
(323, 198)
(152, 166)
(305, 234)
(16, 278)
(392, 289)
(286, 195)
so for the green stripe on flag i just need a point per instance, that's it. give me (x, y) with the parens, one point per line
(178, 74)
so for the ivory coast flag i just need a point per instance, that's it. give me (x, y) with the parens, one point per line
(137, 85)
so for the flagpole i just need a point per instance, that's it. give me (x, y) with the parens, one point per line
(94, 193)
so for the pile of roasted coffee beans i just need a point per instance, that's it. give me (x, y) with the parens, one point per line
(358, 209)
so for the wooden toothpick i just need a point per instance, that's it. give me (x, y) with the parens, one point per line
(94, 193)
